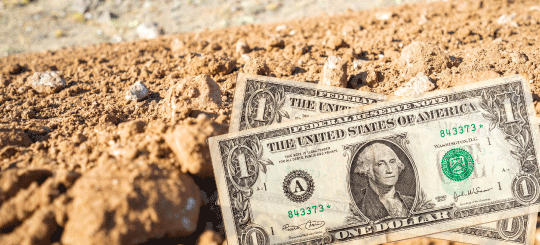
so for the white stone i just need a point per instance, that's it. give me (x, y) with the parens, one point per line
(383, 15)
(333, 62)
(47, 82)
(417, 85)
(358, 64)
(334, 72)
(281, 27)
(137, 92)
(505, 19)
(242, 47)
(148, 30)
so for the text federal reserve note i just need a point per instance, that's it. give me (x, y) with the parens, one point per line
(261, 101)
(383, 172)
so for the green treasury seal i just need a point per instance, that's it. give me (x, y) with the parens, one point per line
(457, 164)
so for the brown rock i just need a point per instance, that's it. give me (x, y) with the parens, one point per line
(47, 82)
(336, 43)
(188, 142)
(242, 47)
(215, 47)
(256, 66)
(334, 72)
(300, 49)
(129, 203)
(518, 57)
(13, 136)
(210, 64)
(28, 114)
(192, 93)
(423, 57)
(370, 78)
(275, 43)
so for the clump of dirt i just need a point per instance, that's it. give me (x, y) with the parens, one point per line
(256, 66)
(192, 93)
(210, 64)
(62, 151)
(188, 142)
(334, 72)
(423, 57)
(142, 201)
(13, 137)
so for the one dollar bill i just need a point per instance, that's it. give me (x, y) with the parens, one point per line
(384, 172)
(518, 230)
(261, 101)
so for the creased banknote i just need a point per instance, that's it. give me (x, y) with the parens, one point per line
(262, 101)
(384, 172)
(518, 230)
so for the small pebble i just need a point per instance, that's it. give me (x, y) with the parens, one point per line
(281, 27)
(137, 92)
(105, 17)
(23, 89)
(275, 43)
(177, 45)
(47, 82)
(417, 85)
(518, 57)
(336, 42)
(358, 64)
(370, 78)
(28, 114)
(334, 72)
(383, 15)
(505, 19)
(148, 30)
(242, 47)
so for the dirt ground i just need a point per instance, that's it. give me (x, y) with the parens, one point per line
(82, 164)
(36, 25)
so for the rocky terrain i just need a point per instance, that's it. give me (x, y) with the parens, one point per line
(106, 144)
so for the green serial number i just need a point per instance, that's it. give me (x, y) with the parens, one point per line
(307, 211)
(457, 130)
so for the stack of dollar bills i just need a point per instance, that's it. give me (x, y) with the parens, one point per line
(311, 164)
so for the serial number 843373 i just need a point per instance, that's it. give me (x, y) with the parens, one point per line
(458, 130)
(307, 211)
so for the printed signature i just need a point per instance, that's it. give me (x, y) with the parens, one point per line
(310, 225)
(472, 191)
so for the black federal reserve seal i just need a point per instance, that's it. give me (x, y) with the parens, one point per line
(298, 186)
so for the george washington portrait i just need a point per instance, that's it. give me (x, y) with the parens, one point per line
(382, 181)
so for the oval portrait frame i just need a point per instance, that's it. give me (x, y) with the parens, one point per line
(396, 142)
